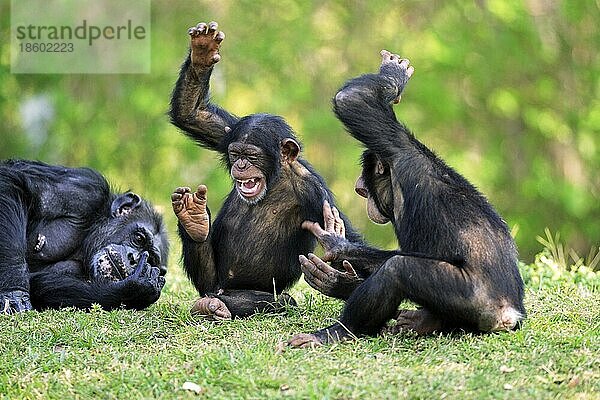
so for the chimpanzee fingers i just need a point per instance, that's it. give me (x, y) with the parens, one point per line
(200, 195)
(182, 190)
(219, 37)
(309, 268)
(328, 218)
(141, 265)
(339, 227)
(385, 54)
(161, 282)
(323, 270)
(201, 27)
(349, 268)
(314, 228)
(212, 27)
(154, 273)
(314, 282)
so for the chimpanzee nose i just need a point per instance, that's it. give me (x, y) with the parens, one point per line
(242, 164)
(131, 258)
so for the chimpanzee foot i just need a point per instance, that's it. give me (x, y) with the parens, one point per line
(422, 322)
(333, 334)
(192, 212)
(210, 307)
(204, 44)
(398, 70)
(14, 302)
(302, 340)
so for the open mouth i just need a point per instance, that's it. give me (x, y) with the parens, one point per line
(249, 187)
(110, 265)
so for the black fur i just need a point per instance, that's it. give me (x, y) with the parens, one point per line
(56, 223)
(251, 248)
(457, 258)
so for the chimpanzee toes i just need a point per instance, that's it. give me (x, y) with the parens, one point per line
(421, 322)
(285, 298)
(303, 340)
(219, 37)
(211, 307)
(15, 302)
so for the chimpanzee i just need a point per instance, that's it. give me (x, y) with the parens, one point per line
(67, 241)
(250, 253)
(458, 261)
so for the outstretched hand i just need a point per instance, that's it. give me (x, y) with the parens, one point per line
(190, 209)
(333, 236)
(318, 273)
(328, 280)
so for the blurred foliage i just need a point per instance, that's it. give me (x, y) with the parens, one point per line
(546, 272)
(507, 91)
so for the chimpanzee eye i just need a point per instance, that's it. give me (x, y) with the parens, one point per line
(139, 239)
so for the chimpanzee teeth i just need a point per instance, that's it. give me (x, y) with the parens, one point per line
(241, 182)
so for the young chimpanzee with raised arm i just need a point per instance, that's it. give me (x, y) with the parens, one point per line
(250, 252)
(457, 260)
(67, 241)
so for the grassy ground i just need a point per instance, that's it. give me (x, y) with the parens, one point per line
(152, 354)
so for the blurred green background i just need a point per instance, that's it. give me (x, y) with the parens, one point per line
(506, 91)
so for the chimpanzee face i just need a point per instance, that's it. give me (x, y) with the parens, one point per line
(116, 247)
(374, 184)
(258, 146)
(246, 161)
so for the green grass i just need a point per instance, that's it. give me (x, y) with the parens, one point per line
(151, 354)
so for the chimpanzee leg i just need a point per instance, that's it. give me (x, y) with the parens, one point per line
(14, 274)
(243, 303)
(442, 288)
(448, 292)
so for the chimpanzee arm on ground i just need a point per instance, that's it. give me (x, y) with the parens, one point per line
(191, 110)
(65, 285)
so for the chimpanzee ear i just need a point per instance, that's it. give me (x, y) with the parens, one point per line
(379, 168)
(289, 150)
(124, 204)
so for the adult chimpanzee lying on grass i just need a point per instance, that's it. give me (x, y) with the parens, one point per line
(251, 249)
(67, 241)
(457, 259)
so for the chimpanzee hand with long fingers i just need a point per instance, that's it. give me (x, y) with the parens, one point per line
(192, 212)
(333, 237)
(328, 280)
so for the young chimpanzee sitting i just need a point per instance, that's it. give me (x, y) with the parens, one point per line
(250, 253)
(67, 241)
(457, 261)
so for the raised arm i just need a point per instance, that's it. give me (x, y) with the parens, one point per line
(364, 105)
(191, 110)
